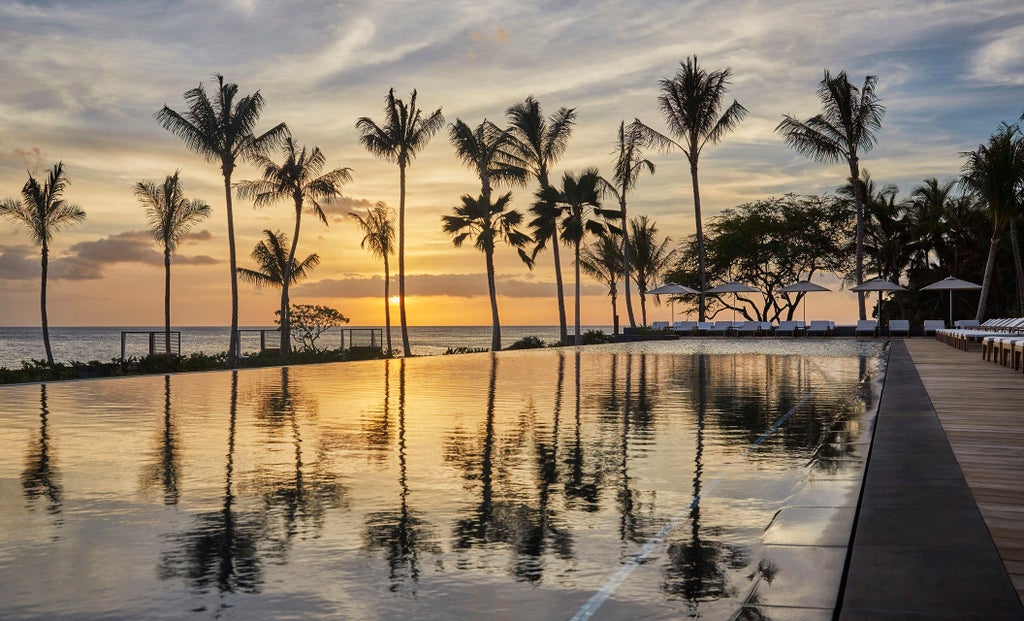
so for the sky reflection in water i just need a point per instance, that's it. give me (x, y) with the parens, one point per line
(472, 486)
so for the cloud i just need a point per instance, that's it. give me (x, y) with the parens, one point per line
(126, 247)
(31, 160)
(75, 268)
(19, 263)
(338, 209)
(453, 285)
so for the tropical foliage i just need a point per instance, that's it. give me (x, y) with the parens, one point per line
(652, 256)
(378, 227)
(309, 322)
(42, 212)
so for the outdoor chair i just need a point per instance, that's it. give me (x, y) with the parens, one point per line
(899, 326)
(824, 328)
(866, 326)
(752, 328)
(685, 327)
(931, 326)
(704, 327)
(659, 325)
(722, 327)
(789, 328)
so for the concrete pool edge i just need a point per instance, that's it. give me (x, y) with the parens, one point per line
(920, 547)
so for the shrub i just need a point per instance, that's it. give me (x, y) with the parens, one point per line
(465, 350)
(595, 337)
(527, 342)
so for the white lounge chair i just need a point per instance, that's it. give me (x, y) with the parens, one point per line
(685, 327)
(722, 327)
(866, 326)
(749, 327)
(789, 328)
(704, 327)
(822, 327)
(933, 325)
(659, 325)
(899, 326)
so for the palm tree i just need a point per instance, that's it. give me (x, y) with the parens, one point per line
(272, 256)
(931, 202)
(43, 213)
(629, 163)
(651, 257)
(299, 179)
(847, 125)
(405, 133)
(222, 130)
(692, 102)
(539, 143)
(489, 223)
(170, 215)
(379, 237)
(580, 200)
(485, 150)
(994, 172)
(603, 260)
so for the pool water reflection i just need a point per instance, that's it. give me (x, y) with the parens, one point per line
(512, 485)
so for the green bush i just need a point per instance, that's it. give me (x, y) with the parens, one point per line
(595, 337)
(527, 342)
(465, 350)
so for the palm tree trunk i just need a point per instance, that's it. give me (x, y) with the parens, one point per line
(643, 309)
(45, 261)
(387, 302)
(286, 323)
(167, 299)
(625, 259)
(614, 287)
(1018, 267)
(233, 345)
(492, 290)
(859, 201)
(406, 350)
(701, 257)
(986, 282)
(576, 254)
(563, 330)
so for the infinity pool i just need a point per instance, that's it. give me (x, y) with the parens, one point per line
(711, 478)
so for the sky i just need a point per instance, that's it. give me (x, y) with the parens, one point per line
(82, 80)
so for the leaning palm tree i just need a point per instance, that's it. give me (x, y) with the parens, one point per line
(692, 103)
(43, 213)
(629, 163)
(299, 179)
(994, 173)
(404, 133)
(486, 150)
(846, 126)
(580, 200)
(539, 143)
(272, 256)
(603, 260)
(170, 215)
(378, 228)
(489, 223)
(651, 257)
(223, 130)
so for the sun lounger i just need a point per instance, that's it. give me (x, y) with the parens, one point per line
(867, 327)
(722, 327)
(789, 328)
(752, 328)
(685, 327)
(659, 325)
(704, 327)
(899, 326)
(824, 328)
(931, 325)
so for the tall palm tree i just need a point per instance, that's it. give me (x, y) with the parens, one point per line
(931, 202)
(580, 200)
(539, 143)
(170, 216)
(651, 257)
(847, 125)
(489, 223)
(378, 228)
(603, 260)
(629, 163)
(404, 133)
(994, 172)
(693, 104)
(223, 130)
(299, 179)
(43, 213)
(272, 256)
(486, 150)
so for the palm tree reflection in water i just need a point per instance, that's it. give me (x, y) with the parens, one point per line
(41, 479)
(402, 534)
(221, 549)
(165, 469)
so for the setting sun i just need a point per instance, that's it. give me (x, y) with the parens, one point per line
(394, 299)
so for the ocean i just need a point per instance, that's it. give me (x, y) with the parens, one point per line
(82, 344)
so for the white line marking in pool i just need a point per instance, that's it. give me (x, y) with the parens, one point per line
(613, 583)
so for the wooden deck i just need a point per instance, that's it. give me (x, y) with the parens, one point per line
(981, 408)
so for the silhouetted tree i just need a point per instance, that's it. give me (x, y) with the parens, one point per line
(378, 227)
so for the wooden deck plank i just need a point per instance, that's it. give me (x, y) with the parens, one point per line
(979, 405)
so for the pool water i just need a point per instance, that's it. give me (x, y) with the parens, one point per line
(711, 478)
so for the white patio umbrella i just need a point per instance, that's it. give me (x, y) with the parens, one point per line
(880, 285)
(951, 284)
(671, 288)
(803, 286)
(734, 288)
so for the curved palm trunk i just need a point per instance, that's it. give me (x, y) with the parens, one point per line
(45, 261)
(625, 261)
(701, 256)
(387, 302)
(576, 254)
(492, 290)
(563, 330)
(233, 345)
(859, 199)
(1018, 267)
(613, 285)
(167, 299)
(406, 350)
(986, 283)
(286, 323)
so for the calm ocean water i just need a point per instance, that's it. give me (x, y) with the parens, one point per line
(104, 344)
